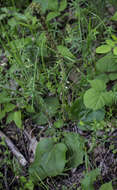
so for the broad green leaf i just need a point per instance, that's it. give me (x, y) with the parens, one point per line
(114, 37)
(110, 43)
(115, 87)
(51, 16)
(107, 63)
(43, 4)
(10, 117)
(97, 99)
(94, 115)
(53, 5)
(94, 99)
(97, 84)
(9, 107)
(50, 159)
(47, 5)
(103, 49)
(75, 145)
(4, 98)
(63, 5)
(103, 77)
(113, 76)
(114, 17)
(115, 50)
(108, 98)
(106, 186)
(64, 51)
(89, 179)
(59, 123)
(17, 119)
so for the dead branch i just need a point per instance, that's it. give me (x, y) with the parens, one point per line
(14, 149)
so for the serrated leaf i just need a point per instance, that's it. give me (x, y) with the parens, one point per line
(89, 178)
(51, 16)
(65, 52)
(17, 118)
(97, 84)
(75, 145)
(115, 50)
(63, 5)
(103, 49)
(50, 159)
(106, 186)
(107, 63)
(95, 100)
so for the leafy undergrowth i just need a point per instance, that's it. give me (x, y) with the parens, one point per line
(58, 93)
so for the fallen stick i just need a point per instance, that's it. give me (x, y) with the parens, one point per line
(14, 149)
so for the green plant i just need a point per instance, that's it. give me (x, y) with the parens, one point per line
(49, 47)
(89, 178)
(106, 185)
(97, 97)
(106, 67)
(52, 156)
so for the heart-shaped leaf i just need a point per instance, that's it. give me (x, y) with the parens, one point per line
(95, 100)
(50, 159)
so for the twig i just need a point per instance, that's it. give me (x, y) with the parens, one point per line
(14, 149)
(5, 178)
